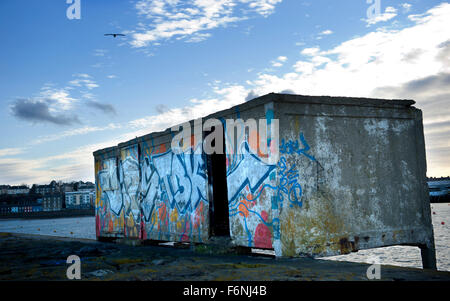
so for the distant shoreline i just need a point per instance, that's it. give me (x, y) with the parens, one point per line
(440, 199)
(50, 214)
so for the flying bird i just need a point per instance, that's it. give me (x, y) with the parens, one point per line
(114, 34)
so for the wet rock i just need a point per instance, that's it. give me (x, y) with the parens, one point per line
(89, 251)
(158, 262)
(100, 273)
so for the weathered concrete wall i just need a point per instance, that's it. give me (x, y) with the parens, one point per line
(351, 174)
(174, 198)
(251, 181)
(129, 187)
(363, 178)
(109, 213)
(153, 192)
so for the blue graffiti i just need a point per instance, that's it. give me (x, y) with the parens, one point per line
(289, 186)
(293, 147)
(176, 181)
(249, 171)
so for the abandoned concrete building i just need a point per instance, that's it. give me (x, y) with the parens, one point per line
(350, 174)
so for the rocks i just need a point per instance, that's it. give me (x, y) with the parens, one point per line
(158, 262)
(44, 258)
(100, 273)
(89, 251)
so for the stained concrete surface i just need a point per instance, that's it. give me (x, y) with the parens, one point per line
(35, 257)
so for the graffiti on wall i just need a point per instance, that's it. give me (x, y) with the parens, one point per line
(129, 186)
(289, 187)
(255, 197)
(108, 203)
(249, 175)
(174, 200)
(156, 193)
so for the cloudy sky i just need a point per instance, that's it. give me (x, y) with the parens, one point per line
(67, 90)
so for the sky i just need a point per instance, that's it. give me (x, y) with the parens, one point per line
(67, 90)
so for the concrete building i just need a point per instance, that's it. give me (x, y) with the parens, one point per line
(51, 188)
(17, 190)
(52, 201)
(19, 203)
(344, 174)
(4, 189)
(66, 187)
(80, 199)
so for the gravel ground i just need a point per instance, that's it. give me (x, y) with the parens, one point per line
(37, 257)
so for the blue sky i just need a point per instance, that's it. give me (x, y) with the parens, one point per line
(67, 90)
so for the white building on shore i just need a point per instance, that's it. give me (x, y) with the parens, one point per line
(83, 199)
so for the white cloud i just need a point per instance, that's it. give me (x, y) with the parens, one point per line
(190, 19)
(263, 7)
(304, 67)
(326, 32)
(380, 58)
(310, 51)
(83, 81)
(279, 61)
(59, 98)
(75, 132)
(198, 37)
(226, 98)
(73, 165)
(360, 67)
(6, 152)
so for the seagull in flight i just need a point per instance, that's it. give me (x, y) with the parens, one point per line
(114, 34)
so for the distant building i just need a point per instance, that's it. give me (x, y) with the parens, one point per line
(17, 190)
(439, 189)
(4, 189)
(67, 187)
(53, 187)
(18, 203)
(52, 201)
(81, 186)
(80, 199)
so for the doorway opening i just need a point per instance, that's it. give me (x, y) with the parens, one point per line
(218, 192)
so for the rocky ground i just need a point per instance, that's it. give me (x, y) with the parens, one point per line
(34, 257)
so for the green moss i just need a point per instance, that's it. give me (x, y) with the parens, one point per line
(127, 260)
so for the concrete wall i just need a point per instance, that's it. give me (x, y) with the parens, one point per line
(109, 213)
(351, 174)
(362, 175)
(174, 198)
(147, 191)
(251, 184)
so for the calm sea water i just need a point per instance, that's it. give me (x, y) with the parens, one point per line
(84, 227)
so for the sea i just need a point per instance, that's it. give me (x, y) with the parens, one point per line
(84, 227)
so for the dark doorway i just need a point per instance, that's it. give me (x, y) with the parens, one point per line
(217, 182)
